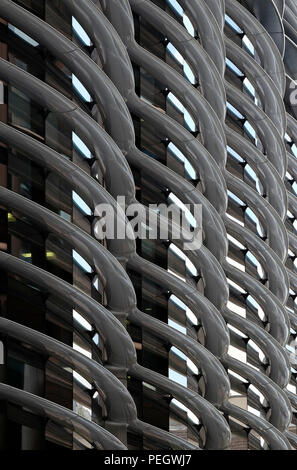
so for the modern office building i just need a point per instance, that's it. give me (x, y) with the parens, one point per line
(146, 344)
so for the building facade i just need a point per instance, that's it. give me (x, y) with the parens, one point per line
(122, 343)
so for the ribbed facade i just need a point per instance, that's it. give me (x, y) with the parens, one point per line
(140, 344)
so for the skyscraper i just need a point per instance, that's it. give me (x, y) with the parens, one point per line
(145, 343)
